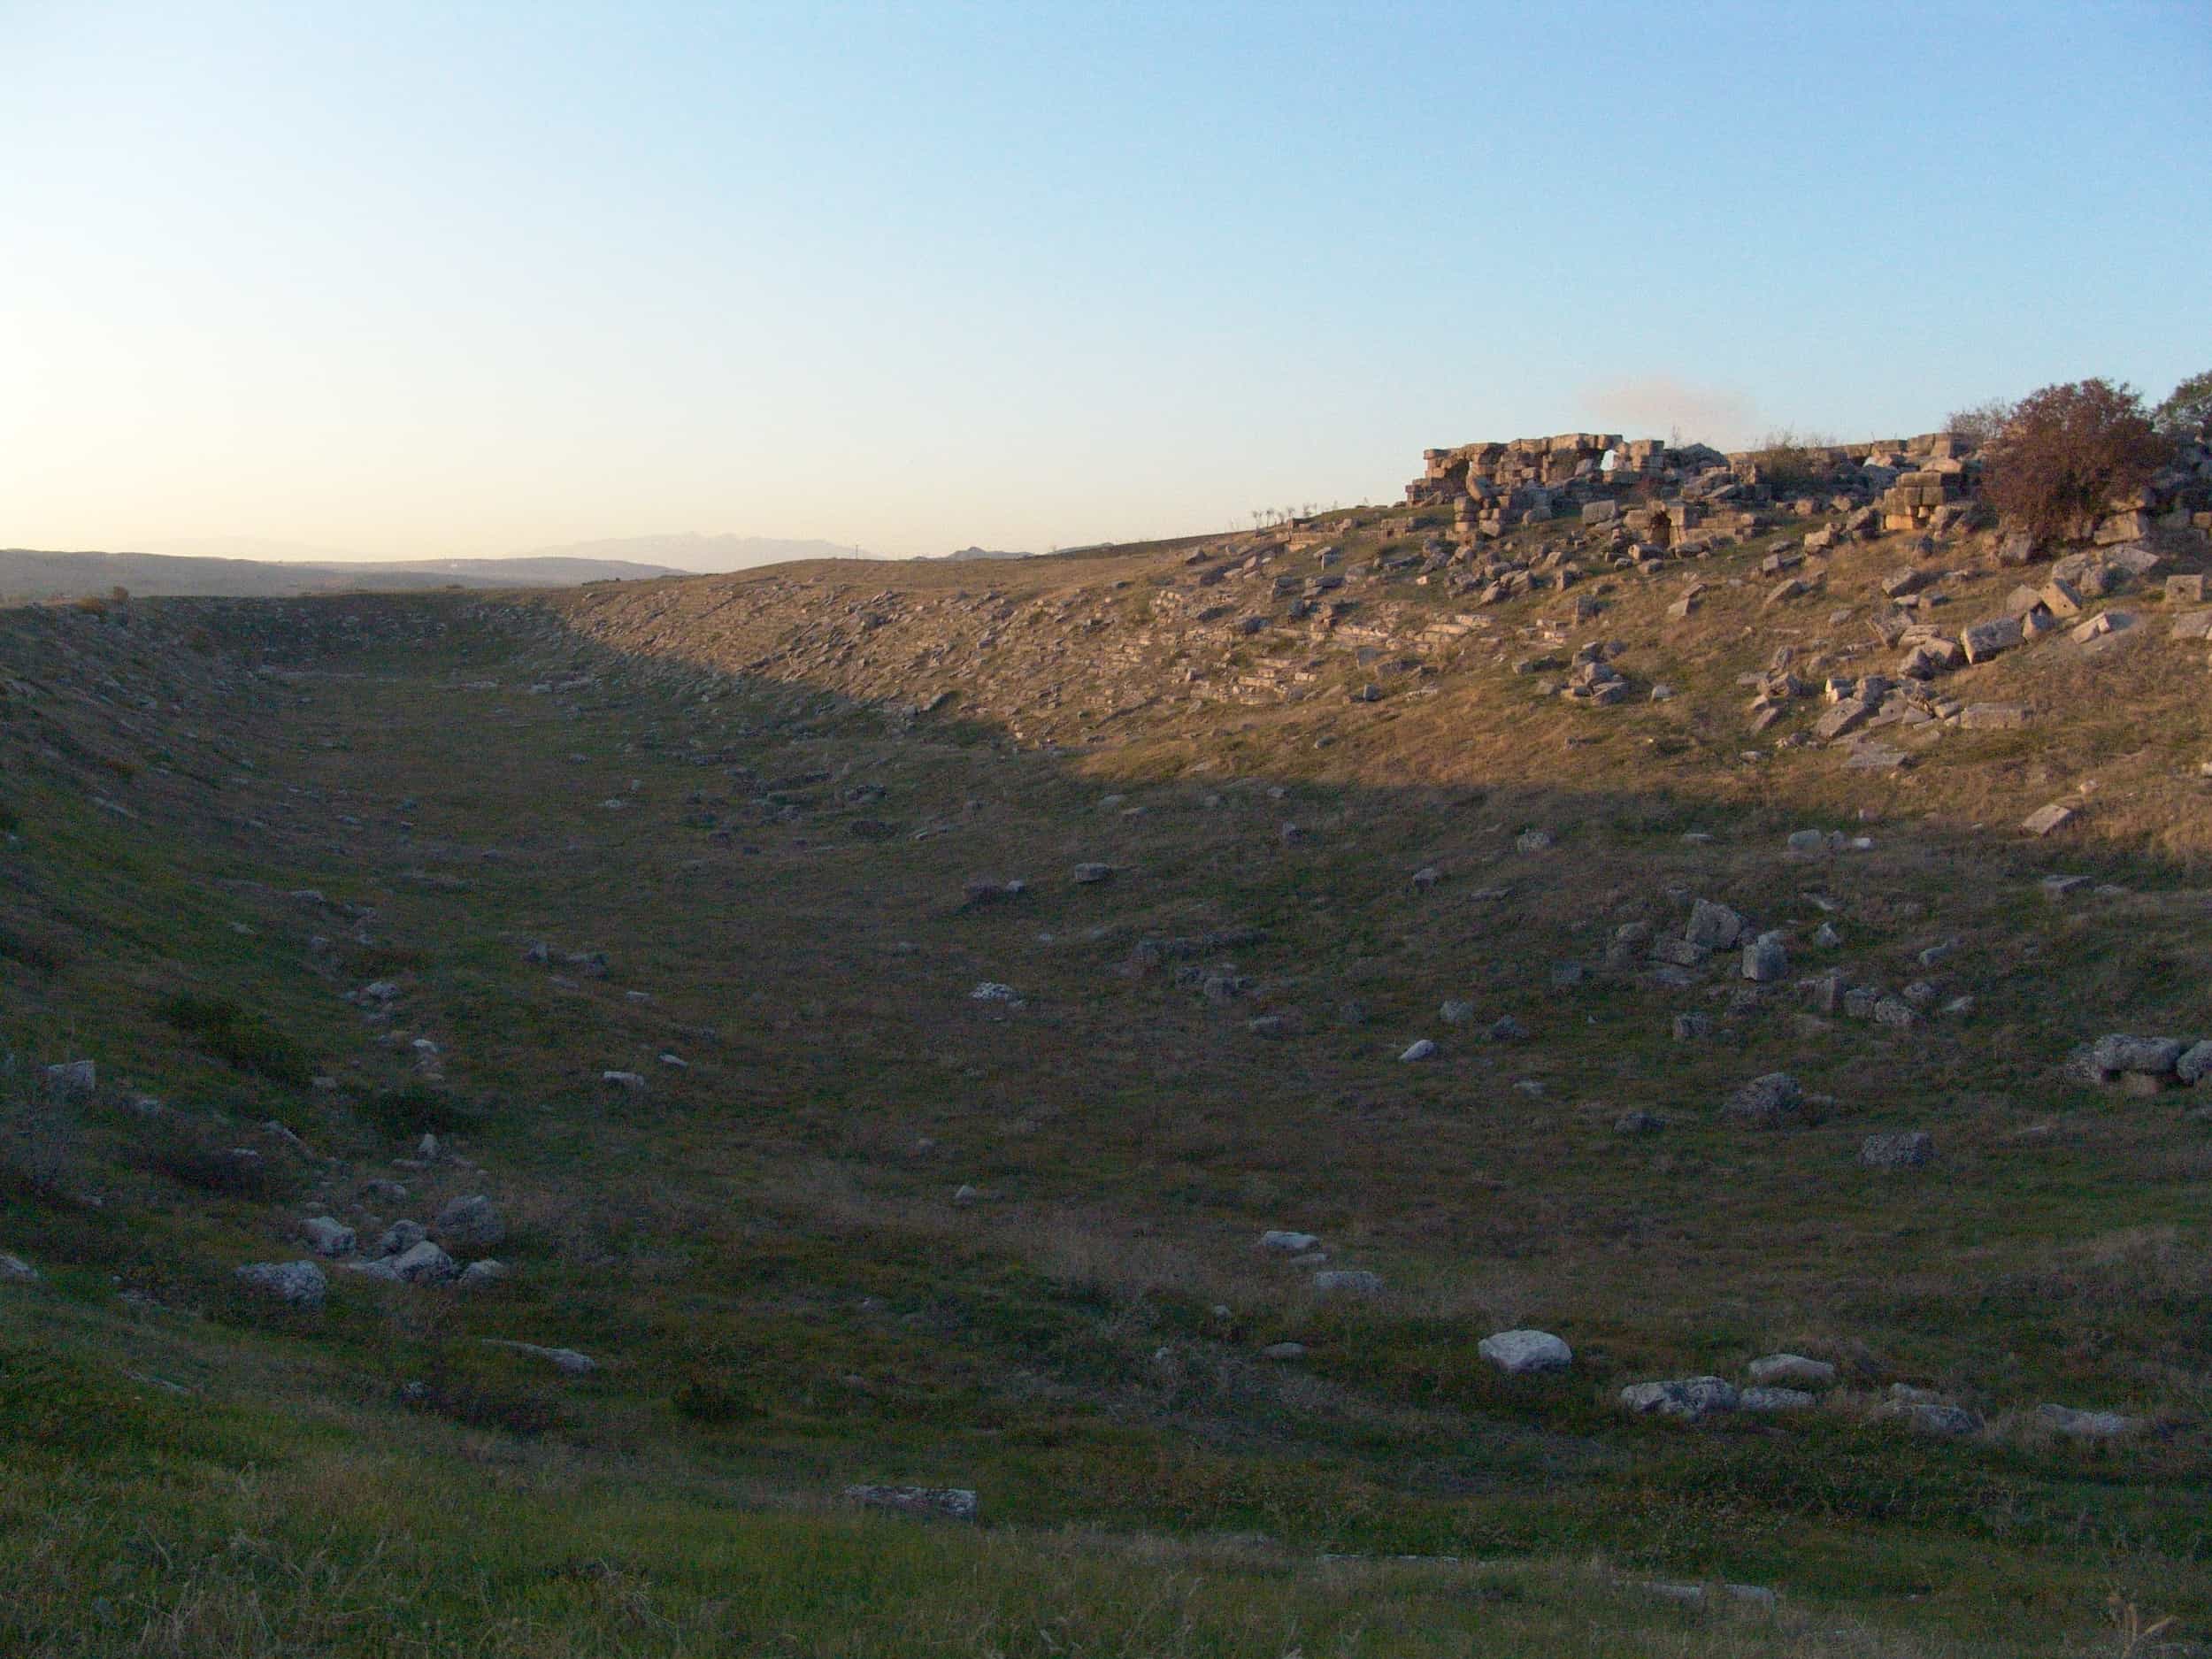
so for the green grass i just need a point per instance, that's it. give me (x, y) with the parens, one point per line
(239, 1039)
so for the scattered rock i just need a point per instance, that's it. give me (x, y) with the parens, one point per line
(470, 1224)
(1696, 1594)
(1769, 1099)
(1630, 940)
(15, 1271)
(931, 1503)
(1348, 1281)
(1283, 1242)
(1793, 1368)
(2194, 1065)
(1284, 1351)
(1986, 639)
(295, 1284)
(1091, 875)
(1766, 959)
(425, 1263)
(1903, 1151)
(2152, 1056)
(1691, 1399)
(567, 1360)
(1423, 1049)
(401, 1237)
(1715, 926)
(327, 1236)
(2085, 1425)
(1771, 1401)
(482, 1275)
(1519, 1352)
(1944, 1422)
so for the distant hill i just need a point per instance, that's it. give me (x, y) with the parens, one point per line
(29, 574)
(984, 553)
(527, 570)
(258, 548)
(705, 554)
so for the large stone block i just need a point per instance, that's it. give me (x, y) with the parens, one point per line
(1986, 639)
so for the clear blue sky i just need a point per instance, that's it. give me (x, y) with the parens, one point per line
(414, 279)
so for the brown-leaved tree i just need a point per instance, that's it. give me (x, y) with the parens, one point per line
(2066, 452)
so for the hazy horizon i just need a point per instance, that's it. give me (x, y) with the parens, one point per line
(419, 283)
(705, 551)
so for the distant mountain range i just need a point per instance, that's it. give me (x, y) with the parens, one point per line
(27, 573)
(241, 568)
(984, 553)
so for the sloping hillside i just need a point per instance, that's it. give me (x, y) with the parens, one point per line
(564, 1123)
(1365, 649)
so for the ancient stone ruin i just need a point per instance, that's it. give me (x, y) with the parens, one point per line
(1664, 496)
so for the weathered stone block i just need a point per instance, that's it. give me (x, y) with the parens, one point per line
(1986, 639)
(2123, 527)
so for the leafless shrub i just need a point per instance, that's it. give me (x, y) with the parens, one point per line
(1792, 463)
(1979, 423)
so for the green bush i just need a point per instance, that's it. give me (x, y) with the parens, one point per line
(407, 1111)
(484, 1402)
(240, 1038)
(38, 952)
(2187, 410)
(191, 1155)
(707, 1396)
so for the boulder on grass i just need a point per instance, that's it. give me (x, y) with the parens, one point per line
(1519, 1352)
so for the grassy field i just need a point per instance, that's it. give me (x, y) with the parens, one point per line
(872, 1229)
